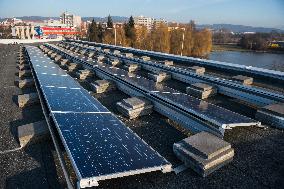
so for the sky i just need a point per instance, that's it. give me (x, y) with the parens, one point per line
(265, 13)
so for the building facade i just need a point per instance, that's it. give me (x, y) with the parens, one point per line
(43, 32)
(148, 22)
(144, 21)
(70, 20)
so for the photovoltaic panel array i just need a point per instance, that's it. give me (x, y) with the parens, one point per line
(98, 144)
(203, 62)
(221, 117)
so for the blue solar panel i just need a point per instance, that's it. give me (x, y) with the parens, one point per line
(99, 145)
(61, 99)
(248, 69)
(217, 115)
(61, 91)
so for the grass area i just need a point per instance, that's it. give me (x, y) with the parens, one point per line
(228, 47)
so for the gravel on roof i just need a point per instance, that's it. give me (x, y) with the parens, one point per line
(258, 161)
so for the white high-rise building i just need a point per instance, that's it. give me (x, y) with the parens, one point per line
(144, 21)
(70, 20)
(148, 22)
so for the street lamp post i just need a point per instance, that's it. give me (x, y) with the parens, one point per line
(114, 34)
(182, 43)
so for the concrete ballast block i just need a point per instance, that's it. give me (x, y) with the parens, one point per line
(57, 58)
(135, 107)
(73, 66)
(100, 58)
(272, 114)
(201, 90)
(90, 54)
(159, 77)
(128, 55)
(24, 67)
(25, 73)
(21, 56)
(84, 74)
(116, 52)
(145, 58)
(32, 133)
(21, 61)
(113, 62)
(53, 55)
(77, 49)
(27, 99)
(166, 62)
(64, 62)
(243, 79)
(106, 50)
(24, 83)
(83, 51)
(101, 86)
(204, 152)
(131, 67)
(197, 69)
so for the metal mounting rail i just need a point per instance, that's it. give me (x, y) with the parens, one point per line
(193, 114)
(253, 95)
(259, 72)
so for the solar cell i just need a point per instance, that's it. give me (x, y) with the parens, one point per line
(61, 99)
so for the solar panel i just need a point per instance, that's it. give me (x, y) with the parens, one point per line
(209, 112)
(248, 69)
(99, 145)
(218, 115)
(251, 94)
(71, 100)
(109, 147)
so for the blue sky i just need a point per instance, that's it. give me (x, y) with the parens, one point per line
(267, 13)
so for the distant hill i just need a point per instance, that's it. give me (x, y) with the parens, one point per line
(240, 28)
(97, 19)
(30, 18)
(104, 19)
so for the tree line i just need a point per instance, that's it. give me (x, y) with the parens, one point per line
(252, 41)
(185, 39)
(260, 41)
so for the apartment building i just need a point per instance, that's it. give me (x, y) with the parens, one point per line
(148, 21)
(70, 20)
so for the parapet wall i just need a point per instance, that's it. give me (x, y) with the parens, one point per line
(11, 41)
